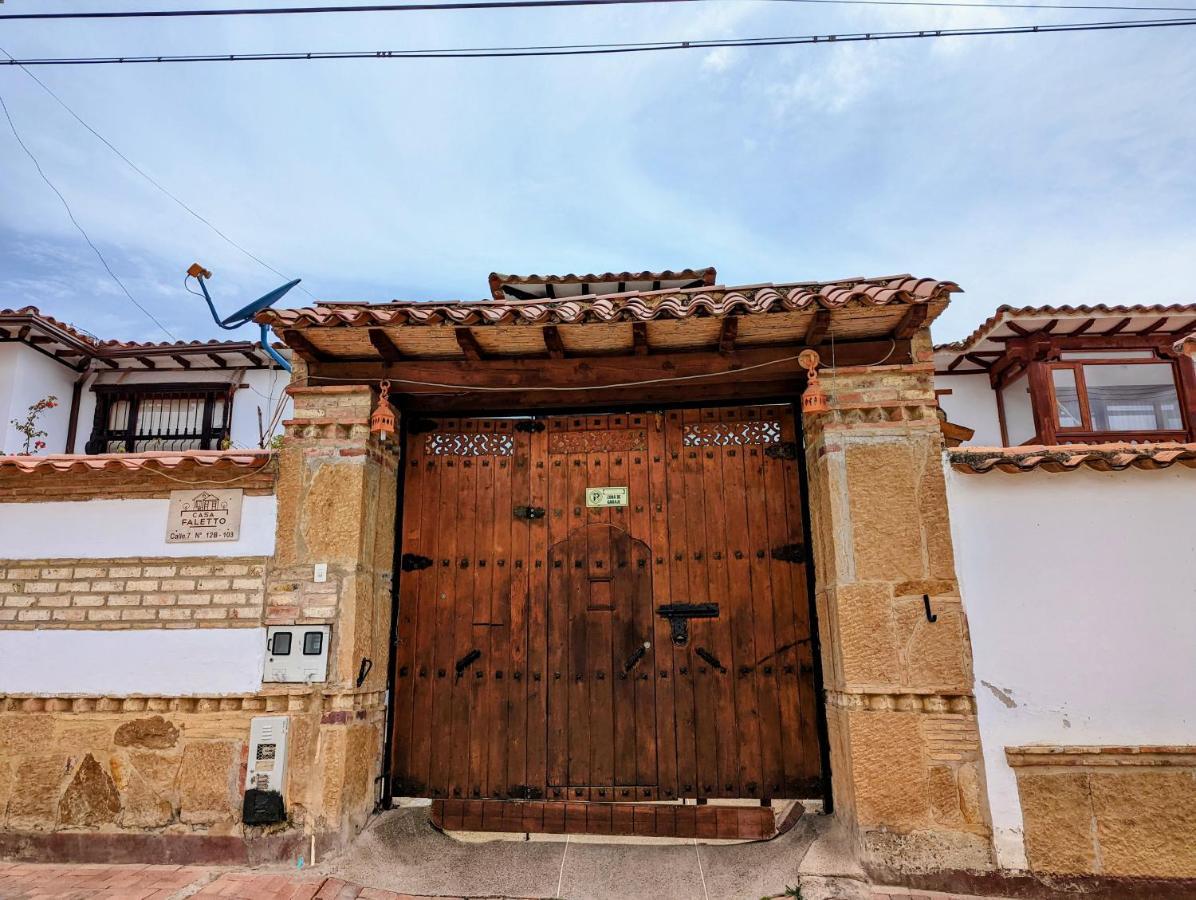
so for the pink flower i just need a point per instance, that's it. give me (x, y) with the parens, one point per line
(37, 445)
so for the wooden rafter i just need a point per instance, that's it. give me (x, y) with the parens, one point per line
(1018, 329)
(552, 342)
(252, 357)
(1154, 326)
(727, 335)
(469, 344)
(639, 338)
(819, 326)
(146, 361)
(550, 290)
(298, 342)
(982, 361)
(1082, 327)
(1117, 328)
(910, 322)
(384, 345)
(219, 360)
(181, 360)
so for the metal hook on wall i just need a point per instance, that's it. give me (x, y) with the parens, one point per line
(930, 617)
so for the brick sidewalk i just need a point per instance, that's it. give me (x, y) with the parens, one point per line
(26, 881)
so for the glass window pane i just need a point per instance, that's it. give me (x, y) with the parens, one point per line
(1067, 399)
(1133, 397)
(313, 642)
(282, 644)
(1019, 414)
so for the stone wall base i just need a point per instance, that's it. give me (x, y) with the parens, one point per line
(1040, 887)
(164, 849)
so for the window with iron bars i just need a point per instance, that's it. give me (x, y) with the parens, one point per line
(137, 418)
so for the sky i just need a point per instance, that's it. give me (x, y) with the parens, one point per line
(1039, 169)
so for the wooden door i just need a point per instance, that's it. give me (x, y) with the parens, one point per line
(539, 653)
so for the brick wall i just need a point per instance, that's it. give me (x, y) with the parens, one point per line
(134, 592)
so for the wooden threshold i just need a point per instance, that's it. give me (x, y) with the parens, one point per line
(642, 819)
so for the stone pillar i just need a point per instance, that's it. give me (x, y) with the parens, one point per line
(907, 774)
(336, 506)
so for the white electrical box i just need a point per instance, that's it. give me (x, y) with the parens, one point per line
(267, 753)
(297, 653)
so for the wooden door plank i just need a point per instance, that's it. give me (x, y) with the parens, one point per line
(810, 765)
(480, 676)
(536, 567)
(784, 580)
(403, 690)
(674, 504)
(742, 670)
(560, 521)
(422, 494)
(449, 531)
(599, 615)
(706, 722)
(626, 641)
(715, 634)
(577, 647)
(644, 676)
(462, 625)
(502, 740)
(663, 673)
(772, 770)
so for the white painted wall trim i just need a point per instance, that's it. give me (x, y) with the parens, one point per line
(162, 662)
(98, 529)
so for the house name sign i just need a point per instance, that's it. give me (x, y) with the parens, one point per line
(202, 516)
(606, 496)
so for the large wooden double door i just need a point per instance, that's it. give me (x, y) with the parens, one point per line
(649, 642)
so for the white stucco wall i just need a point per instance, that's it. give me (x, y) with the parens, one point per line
(1080, 590)
(264, 388)
(97, 529)
(27, 376)
(158, 661)
(973, 404)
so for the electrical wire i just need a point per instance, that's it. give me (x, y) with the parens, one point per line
(615, 48)
(531, 4)
(75, 222)
(132, 165)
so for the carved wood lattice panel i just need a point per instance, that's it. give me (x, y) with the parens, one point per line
(732, 434)
(606, 441)
(459, 443)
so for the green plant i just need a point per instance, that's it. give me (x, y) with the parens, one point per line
(33, 434)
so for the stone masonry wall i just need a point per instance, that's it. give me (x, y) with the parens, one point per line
(907, 773)
(132, 592)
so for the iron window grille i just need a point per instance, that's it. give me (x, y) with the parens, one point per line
(137, 418)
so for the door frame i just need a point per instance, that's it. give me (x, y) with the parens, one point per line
(410, 411)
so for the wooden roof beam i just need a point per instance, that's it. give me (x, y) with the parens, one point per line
(252, 357)
(818, 328)
(910, 322)
(1116, 328)
(639, 338)
(979, 360)
(469, 344)
(384, 345)
(181, 360)
(727, 335)
(1081, 328)
(146, 361)
(1154, 326)
(298, 342)
(219, 360)
(552, 342)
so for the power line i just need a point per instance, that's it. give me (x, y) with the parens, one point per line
(531, 4)
(147, 176)
(75, 221)
(603, 49)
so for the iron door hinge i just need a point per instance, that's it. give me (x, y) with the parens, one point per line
(783, 450)
(527, 513)
(413, 562)
(467, 660)
(794, 553)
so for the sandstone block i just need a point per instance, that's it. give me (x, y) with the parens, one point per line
(1146, 822)
(1057, 818)
(154, 733)
(37, 784)
(206, 781)
(91, 798)
(867, 645)
(886, 530)
(889, 770)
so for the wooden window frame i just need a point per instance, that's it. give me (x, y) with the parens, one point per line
(1086, 433)
(210, 437)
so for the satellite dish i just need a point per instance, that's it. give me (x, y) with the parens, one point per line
(245, 314)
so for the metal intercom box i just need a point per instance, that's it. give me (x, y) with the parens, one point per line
(267, 753)
(297, 653)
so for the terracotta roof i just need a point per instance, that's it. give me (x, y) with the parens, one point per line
(498, 281)
(70, 344)
(629, 306)
(1069, 457)
(1186, 345)
(1005, 313)
(66, 462)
